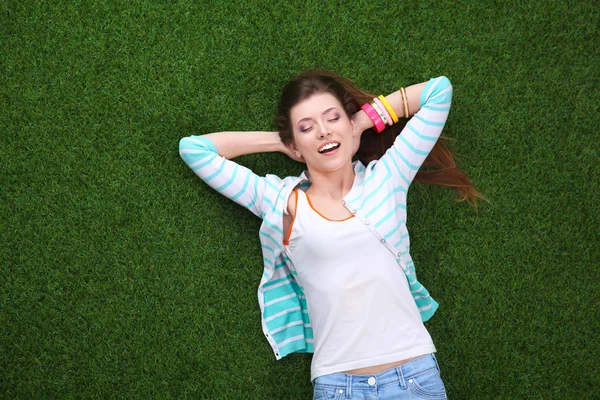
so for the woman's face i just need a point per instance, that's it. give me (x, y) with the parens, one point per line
(323, 133)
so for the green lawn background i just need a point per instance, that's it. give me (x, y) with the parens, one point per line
(124, 276)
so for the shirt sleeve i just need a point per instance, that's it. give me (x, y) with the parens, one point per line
(232, 180)
(414, 143)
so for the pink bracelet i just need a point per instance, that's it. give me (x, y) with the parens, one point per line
(377, 121)
(384, 111)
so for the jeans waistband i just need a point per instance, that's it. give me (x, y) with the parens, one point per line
(396, 375)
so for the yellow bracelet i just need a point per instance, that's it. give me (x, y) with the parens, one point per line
(405, 102)
(389, 108)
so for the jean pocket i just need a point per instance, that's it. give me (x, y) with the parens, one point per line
(328, 394)
(428, 385)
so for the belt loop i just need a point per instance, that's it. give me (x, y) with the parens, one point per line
(436, 363)
(348, 386)
(401, 377)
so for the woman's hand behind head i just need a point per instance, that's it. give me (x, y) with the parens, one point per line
(291, 154)
(361, 122)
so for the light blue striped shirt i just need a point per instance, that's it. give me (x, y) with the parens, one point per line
(377, 198)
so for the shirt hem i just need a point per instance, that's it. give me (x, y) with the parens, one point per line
(370, 362)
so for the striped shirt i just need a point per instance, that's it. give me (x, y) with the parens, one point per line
(377, 199)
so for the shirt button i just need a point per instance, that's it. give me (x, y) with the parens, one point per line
(367, 222)
(344, 202)
(372, 381)
(382, 240)
(399, 254)
(341, 391)
(353, 211)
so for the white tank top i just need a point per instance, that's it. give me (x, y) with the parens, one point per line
(360, 306)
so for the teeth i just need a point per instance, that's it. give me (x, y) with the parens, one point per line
(328, 146)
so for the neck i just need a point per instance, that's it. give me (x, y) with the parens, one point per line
(334, 185)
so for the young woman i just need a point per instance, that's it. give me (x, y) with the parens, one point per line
(338, 277)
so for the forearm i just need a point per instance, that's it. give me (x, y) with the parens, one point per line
(234, 144)
(412, 146)
(413, 94)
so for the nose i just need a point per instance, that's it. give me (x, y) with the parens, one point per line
(324, 131)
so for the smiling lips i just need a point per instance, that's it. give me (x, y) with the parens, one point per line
(329, 147)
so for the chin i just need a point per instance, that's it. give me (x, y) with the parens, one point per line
(331, 166)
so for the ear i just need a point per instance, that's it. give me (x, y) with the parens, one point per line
(294, 149)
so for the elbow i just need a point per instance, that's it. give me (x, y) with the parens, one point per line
(442, 91)
(193, 147)
(445, 86)
(182, 143)
(445, 82)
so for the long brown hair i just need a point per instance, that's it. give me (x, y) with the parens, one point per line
(439, 167)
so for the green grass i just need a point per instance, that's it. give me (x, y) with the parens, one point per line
(124, 276)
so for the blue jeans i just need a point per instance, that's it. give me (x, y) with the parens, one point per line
(417, 379)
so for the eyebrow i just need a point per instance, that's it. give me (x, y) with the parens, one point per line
(324, 112)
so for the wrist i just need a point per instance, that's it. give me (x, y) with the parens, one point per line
(362, 121)
(278, 145)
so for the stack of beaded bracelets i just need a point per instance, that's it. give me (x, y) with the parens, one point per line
(381, 112)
